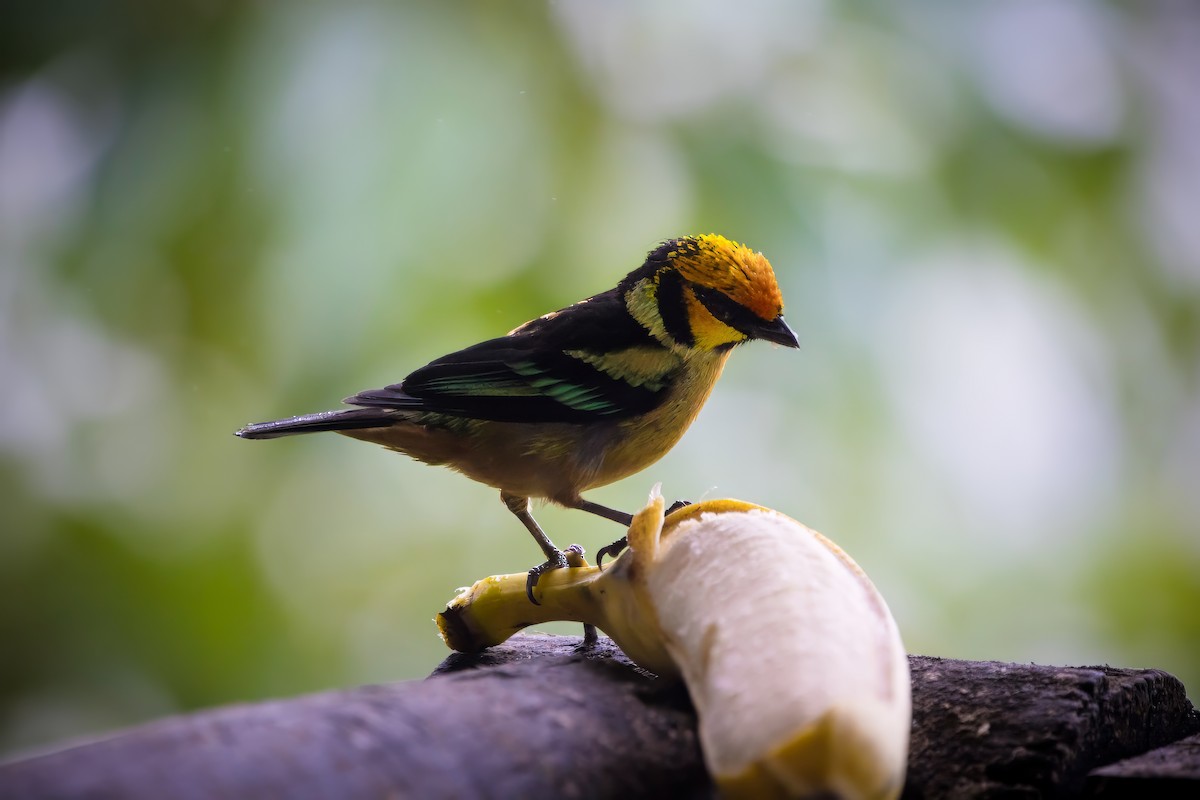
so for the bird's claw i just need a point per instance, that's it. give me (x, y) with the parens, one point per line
(612, 550)
(678, 504)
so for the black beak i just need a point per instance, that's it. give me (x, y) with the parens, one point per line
(776, 331)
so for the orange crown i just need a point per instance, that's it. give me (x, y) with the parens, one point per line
(742, 274)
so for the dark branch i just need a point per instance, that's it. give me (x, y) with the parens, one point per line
(538, 717)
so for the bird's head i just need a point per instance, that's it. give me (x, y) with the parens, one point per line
(708, 293)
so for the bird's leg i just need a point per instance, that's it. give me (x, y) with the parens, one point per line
(555, 559)
(619, 517)
(613, 550)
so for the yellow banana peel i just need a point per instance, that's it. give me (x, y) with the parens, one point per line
(791, 657)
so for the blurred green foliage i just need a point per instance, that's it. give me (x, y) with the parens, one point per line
(983, 217)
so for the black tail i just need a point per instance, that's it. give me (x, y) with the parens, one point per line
(349, 419)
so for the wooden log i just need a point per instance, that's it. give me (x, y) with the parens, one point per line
(535, 718)
(542, 717)
(989, 729)
(1165, 773)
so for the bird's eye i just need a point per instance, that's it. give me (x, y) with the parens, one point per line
(726, 309)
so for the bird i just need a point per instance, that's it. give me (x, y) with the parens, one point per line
(580, 397)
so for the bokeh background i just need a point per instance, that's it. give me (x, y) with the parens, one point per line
(985, 218)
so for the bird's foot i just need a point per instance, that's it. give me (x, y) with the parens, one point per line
(613, 550)
(551, 563)
(570, 557)
(678, 504)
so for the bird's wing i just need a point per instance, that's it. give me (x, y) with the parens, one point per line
(500, 380)
(585, 363)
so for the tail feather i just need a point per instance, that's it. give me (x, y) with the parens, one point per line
(345, 420)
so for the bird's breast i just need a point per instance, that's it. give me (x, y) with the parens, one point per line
(640, 441)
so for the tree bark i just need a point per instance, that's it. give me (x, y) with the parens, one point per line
(542, 717)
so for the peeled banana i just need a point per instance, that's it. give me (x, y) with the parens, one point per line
(791, 657)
